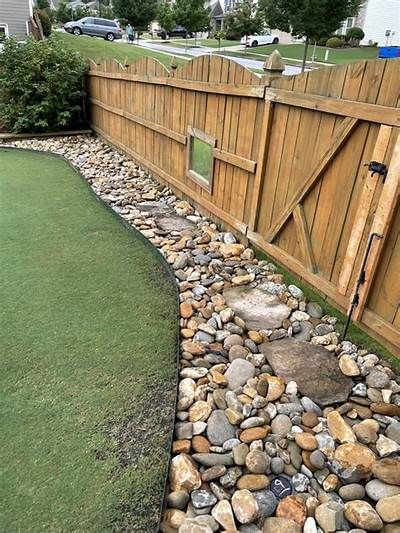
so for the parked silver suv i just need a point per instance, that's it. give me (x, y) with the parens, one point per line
(96, 27)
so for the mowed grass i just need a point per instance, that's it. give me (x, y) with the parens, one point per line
(97, 49)
(336, 56)
(209, 43)
(88, 324)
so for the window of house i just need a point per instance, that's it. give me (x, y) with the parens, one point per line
(3, 32)
(200, 158)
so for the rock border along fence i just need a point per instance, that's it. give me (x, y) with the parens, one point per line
(290, 160)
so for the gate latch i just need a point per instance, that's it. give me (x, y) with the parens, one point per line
(378, 168)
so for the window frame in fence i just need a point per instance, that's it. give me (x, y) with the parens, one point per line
(194, 133)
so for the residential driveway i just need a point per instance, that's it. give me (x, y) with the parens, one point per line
(196, 52)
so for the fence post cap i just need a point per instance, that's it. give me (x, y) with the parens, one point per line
(274, 63)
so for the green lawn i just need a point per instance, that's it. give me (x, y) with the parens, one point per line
(95, 48)
(296, 51)
(88, 343)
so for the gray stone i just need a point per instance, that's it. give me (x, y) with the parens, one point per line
(317, 459)
(281, 425)
(174, 223)
(329, 516)
(239, 372)
(212, 459)
(377, 489)
(295, 292)
(393, 432)
(353, 491)
(314, 310)
(219, 428)
(258, 309)
(300, 482)
(267, 502)
(377, 379)
(305, 330)
(229, 479)
(202, 498)
(315, 370)
(309, 405)
(277, 465)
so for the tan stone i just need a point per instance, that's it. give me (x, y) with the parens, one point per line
(195, 348)
(276, 387)
(234, 417)
(199, 411)
(218, 378)
(250, 434)
(388, 409)
(255, 336)
(281, 525)
(331, 483)
(388, 508)
(222, 512)
(367, 431)
(387, 470)
(245, 506)
(362, 515)
(309, 419)
(183, 474)
(358, 456)
(253, 482)
(229, 250)
(200, 444)
(293, 508)
(187, 333)
(186, 310)
(174, 518)
(243, 280)
(306, 441)
(339, 429)
(181, 446)
(348, 366)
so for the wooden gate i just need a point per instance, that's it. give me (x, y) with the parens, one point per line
(317, 202)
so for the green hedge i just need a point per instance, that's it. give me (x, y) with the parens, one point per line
(40, 86)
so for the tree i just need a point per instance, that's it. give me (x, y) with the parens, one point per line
(138, 12)
(244, 19)
(192, 15)
(63, 13)
(354, 36)
(166, 16)
(310, 19)
(42, 4)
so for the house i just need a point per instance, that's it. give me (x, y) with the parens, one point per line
(380, 21)
(14, 17)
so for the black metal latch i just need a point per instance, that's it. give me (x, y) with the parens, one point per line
(378, 168)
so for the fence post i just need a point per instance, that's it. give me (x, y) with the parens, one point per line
(274, 66)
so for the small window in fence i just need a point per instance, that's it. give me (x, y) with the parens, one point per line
(200, 158)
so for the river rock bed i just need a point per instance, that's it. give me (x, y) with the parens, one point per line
(280, 426)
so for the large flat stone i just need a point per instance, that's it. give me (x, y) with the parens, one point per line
(259, 309)
(174, 223)
(315, 370)
(155, 208)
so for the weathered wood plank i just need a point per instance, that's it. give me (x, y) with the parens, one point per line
(303, 236)
(337, 106)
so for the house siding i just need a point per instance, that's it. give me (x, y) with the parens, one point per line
(15, 14)
(376, 17)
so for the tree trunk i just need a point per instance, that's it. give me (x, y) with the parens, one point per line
(303, 65)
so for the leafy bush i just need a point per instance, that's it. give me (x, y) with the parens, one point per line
(334, 42)
(354, 36)
(40, 86)
(44, 21)
(63, 13)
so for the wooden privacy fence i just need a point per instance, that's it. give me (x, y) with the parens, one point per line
(289, 163)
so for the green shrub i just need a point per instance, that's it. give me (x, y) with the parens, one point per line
(334, 42)
(44, 21)
(40, 86)
(354, 36)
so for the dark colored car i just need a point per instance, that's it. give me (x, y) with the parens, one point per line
(96, 27)
(178, 31)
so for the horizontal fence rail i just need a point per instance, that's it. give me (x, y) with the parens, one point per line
(288, 163)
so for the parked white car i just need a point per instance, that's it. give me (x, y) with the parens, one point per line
(258, 40)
